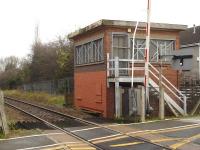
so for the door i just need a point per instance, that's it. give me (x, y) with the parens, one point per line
(121, 50)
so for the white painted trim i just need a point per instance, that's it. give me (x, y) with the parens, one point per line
(156, 37)
(190, 45)
(90, 39)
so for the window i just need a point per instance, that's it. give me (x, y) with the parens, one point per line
(164, 47)
(139, 50)
(91, 52)
(120, 46)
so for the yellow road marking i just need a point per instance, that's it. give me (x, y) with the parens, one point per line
(165, 130)
(165, 140)
(110, 139)
(185, 141)
(177, 129)
(146, 122)
(126, 144)
(55, 148)
(77, 145)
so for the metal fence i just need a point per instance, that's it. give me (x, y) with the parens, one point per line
(59, 86)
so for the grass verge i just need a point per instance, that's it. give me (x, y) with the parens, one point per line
(40, 97)
(19, 132)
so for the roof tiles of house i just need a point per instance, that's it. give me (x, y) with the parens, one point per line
(121, 23)
(188, 37)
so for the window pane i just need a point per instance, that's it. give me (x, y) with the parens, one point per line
(90, 52)
(165, 47)
(120, 40)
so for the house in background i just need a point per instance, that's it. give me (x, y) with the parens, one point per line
(103, 68)
(190, 69)
(190, 45)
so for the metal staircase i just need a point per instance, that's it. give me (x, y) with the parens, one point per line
(174, 98)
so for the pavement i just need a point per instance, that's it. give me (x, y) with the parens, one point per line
(55, 140)
(180, 134)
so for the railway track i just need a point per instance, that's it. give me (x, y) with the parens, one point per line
(65, 123)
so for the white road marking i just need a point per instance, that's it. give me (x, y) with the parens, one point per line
(85, 129)
(21, 137)
(45, 146)
(104, 137)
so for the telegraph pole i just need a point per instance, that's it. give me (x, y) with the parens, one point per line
(37, 34)
(3, 121)
(146, 78)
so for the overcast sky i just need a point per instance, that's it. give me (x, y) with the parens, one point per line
(18, 18)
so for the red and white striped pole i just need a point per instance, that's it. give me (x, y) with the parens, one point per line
(146, 78)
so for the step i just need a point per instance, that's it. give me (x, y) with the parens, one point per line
(168, 99)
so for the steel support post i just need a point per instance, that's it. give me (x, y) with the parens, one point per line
(185, 105)
(117, 90)
(108, 69)
(146, 82)
(142, 104)
(161, 90)
(117, 100)
(161, 104)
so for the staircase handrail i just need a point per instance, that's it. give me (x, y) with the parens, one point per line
(167, 81)
(166, 86)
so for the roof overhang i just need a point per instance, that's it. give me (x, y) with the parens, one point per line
(120, 23)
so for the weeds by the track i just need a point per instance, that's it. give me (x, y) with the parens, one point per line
(41, 97)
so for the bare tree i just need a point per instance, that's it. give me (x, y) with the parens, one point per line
(11, 62)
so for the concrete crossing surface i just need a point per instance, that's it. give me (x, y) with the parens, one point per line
(181, 134)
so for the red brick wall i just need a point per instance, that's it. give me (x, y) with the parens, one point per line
(91, 91)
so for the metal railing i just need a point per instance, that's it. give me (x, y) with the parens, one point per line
(121, 67)
(170, 87)
(115, 70)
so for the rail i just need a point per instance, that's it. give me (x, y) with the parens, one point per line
(81, 120)
(55, 127)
